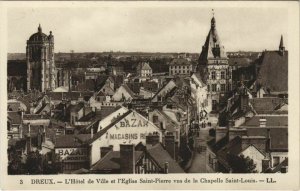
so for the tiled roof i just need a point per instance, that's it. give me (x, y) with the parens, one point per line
(216, 146)
(180, 61)
(34, 116)
(266, 105)
(71, 141)
(70, 95)
(112, 161)
(107, 110)
(233, 147)
(279, 136)
(273, 73)
(161, 156)
(243, 61)
(271, 121)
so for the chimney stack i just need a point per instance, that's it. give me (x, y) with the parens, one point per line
(127, 159)
(221, 132)
(152, 139)
(265, 164)
(170, 144)
(166, 168)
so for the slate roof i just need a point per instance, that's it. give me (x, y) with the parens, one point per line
(273, 73)
(211, 40)
(34, 116)
(242, 62)
(180, 61)
(233, 147)
(279, 136)
(71, 141)
(107, 110)
(216, 146)
(112, 161)
(70, 95)
(267, 105)
(161, 156)
(271, 121)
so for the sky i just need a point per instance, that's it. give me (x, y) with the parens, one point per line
(147, 29)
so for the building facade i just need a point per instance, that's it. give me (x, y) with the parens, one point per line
(214, 68)
(41, 70)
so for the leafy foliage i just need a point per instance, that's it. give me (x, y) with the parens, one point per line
(241, 164)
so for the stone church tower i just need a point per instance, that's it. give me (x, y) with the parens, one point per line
(214, 69)
(41, 70)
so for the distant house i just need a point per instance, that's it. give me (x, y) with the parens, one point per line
(144, 70)
(180, 66)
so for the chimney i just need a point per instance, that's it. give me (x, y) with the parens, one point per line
(152, 139)
(92, 132)
(283, 169)
(220, 133)
(262, 122)
(268, 143)
(265, 164)
(166, 168)
(127, 159)
(105, 150)
(170, 144)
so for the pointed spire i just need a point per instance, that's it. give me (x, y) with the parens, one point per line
(213, 21)
(39, 28)
(281, 43)
(281, 46)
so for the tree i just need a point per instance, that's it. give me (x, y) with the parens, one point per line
(34, 163)
(241, 164)
(14, 162)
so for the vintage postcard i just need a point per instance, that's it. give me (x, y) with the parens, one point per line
(149, 95)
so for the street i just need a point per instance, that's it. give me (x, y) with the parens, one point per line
(199, 160)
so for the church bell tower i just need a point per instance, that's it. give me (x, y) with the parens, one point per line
(214, 69)
(41, 70)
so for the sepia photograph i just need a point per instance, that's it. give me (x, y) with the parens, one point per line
(148, 89)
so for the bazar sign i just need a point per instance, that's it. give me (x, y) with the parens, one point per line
(133, 123)
(72, 154)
